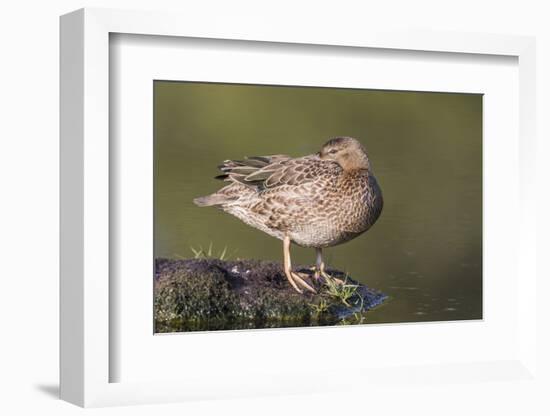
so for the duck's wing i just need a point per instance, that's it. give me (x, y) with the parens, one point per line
(264, 172)
(239, 170)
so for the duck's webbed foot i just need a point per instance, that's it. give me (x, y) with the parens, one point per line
(321, 272)
(298, 278)
(297, 281)
(328, 277)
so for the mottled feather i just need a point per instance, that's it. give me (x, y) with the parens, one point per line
(312, 199)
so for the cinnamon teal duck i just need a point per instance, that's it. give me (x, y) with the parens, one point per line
(320, 200)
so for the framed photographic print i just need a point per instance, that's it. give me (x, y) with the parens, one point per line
(239, 208)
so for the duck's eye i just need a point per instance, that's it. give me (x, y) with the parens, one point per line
(332, 151)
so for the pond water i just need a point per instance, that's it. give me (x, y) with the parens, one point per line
(425, 251)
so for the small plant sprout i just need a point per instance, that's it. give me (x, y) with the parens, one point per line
(342, 290)
(209, 253)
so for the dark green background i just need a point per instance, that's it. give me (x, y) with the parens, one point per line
(425, 251)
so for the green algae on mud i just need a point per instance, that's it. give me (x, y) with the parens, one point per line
(213, 294)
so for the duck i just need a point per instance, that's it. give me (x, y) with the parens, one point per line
(316, 201)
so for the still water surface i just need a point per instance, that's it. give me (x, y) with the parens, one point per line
(425, 251)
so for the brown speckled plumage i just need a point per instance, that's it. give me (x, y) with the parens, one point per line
(319, 200)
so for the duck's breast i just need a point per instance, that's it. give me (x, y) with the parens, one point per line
(341, 212)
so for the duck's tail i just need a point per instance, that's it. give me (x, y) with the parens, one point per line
(210, 200)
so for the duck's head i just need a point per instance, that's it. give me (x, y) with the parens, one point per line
(347, 151)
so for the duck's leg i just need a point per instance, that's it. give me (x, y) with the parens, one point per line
(287, 265)
(320, 268)
(318, 263)
(293, 277)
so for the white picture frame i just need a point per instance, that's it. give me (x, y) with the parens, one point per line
(86, 356)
